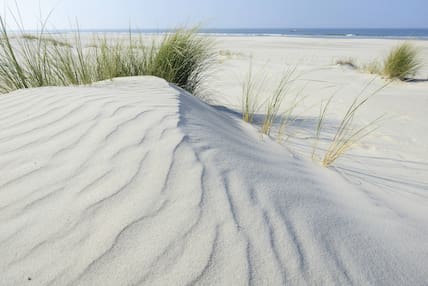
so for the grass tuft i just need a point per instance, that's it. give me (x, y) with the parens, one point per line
(251, 88)
(402, 62)
(34, 60)
(52, 41)
(183, 59)
(350, 62)
(374, 67)
(287, 117)
(275, 101)
(321, 118)
(346, 135)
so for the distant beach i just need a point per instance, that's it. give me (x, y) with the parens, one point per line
(411, 34)
(420, 34)
(326, 33)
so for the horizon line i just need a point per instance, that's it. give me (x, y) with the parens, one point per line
(232, 28)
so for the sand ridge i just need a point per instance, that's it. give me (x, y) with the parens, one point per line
(135, 182)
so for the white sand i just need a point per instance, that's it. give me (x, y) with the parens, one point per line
(133, 182)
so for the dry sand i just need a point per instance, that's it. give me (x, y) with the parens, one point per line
(134, 182)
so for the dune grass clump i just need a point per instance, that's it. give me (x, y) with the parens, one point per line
(350, 62)
(347, 134)
(121, 58)
(321, 118)
(374, 67)
(182, 58)
(402, 62)
(228, 54)
(73, 65)
(52, 41)
(34, 60)
(287, 117)
(110, 60)
(252, 86)
(275, 101)
(25, 64)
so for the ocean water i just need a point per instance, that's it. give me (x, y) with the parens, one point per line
(361, 33)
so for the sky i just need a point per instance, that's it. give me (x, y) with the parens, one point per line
(163, 14)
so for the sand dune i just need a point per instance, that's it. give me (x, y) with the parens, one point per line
(134, 182)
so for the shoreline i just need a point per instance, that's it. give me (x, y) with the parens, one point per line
(315, 37)
(421, 34)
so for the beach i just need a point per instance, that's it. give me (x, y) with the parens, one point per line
(134, 181)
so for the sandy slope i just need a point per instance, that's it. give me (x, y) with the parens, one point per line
(391, 165)
(134, 182)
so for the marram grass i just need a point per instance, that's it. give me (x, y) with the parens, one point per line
(275, 101)
(402, 62)
(252, 86)
(347, 134)
(182, 58)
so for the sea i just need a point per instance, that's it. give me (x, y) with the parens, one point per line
(421, 33)
(333, 33)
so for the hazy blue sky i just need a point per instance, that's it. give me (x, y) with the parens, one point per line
(101, 14)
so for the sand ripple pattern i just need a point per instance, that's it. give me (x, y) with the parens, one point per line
(134, 182)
